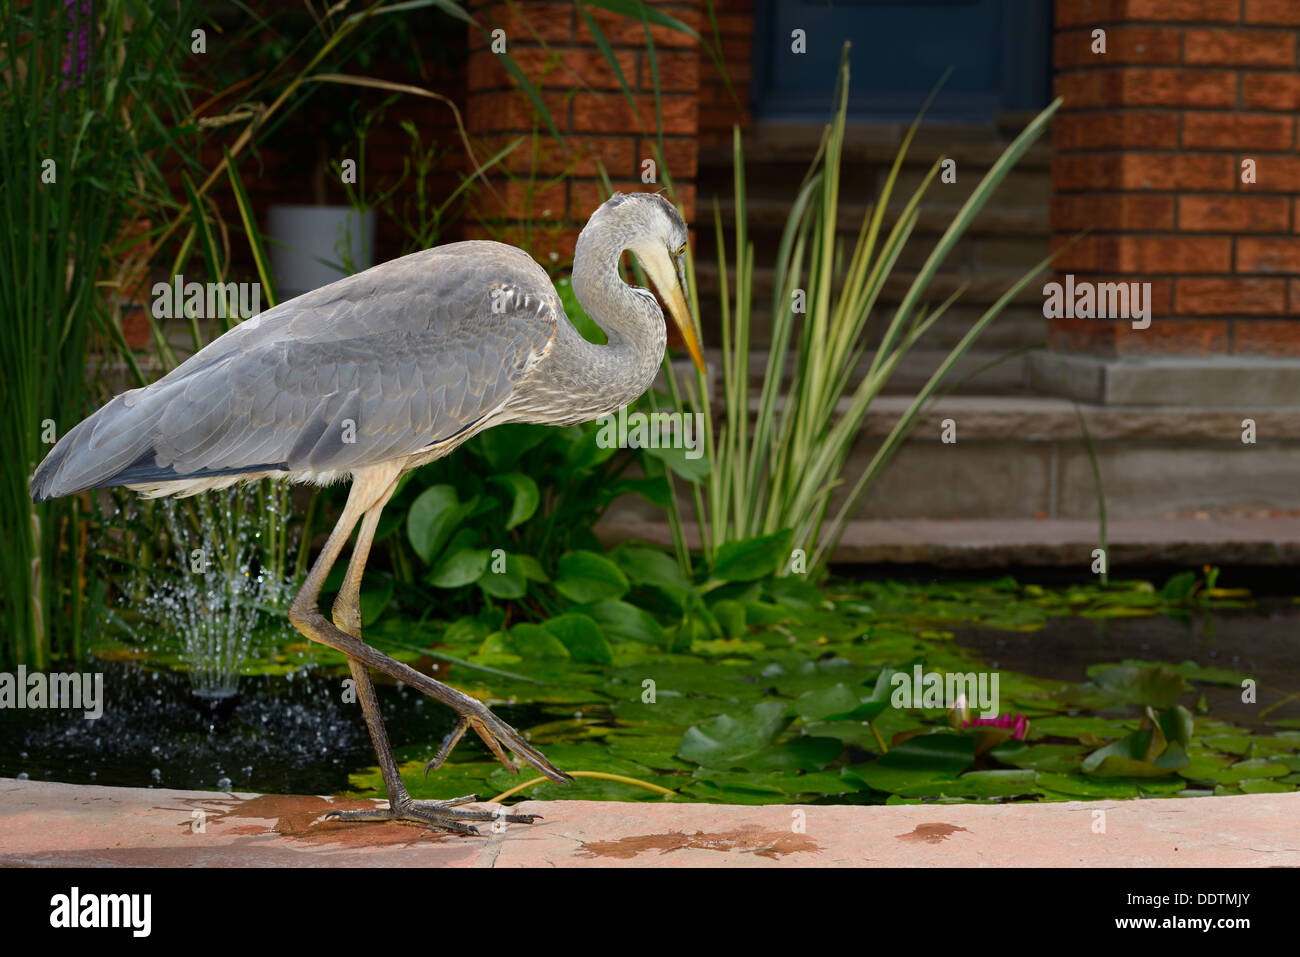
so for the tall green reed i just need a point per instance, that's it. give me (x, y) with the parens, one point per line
(776, 468)
(79, 100)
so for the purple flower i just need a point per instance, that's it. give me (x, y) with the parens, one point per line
(79, 17)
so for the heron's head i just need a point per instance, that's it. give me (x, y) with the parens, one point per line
(656, 236)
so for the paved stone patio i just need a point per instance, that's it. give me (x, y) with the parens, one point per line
(45, 824)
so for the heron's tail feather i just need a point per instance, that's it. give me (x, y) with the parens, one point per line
(99, 449)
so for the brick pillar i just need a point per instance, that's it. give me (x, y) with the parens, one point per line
(588, 106)
(1149, 149)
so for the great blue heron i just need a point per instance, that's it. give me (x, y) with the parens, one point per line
(378, 374)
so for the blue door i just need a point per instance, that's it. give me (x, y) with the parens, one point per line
(1000, 51)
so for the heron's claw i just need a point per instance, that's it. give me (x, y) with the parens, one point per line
(438, 815)
(501, 739)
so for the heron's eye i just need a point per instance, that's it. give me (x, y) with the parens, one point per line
(681, 250)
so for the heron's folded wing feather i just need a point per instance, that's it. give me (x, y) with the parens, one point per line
(340, 405)
(379, 365)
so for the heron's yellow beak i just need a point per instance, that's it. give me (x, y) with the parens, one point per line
(671, 286)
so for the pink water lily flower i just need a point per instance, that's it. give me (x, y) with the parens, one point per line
(961, 717)
(1018, 724)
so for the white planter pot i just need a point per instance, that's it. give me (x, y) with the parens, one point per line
(308, 244)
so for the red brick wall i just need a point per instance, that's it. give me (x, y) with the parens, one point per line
(553, 47)
(1149, 149)
(718, 110)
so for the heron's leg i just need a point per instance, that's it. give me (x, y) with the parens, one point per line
(347, 616)
(371, 487)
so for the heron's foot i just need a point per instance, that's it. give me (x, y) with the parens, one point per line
(500, 738)
(438, 815)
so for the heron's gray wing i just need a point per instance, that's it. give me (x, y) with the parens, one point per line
(382, 370)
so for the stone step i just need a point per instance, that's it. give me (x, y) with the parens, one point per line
(875, 145)
(981, 286)
(986, 371)
(1021, 457)
(1000, 543)
(769, 215)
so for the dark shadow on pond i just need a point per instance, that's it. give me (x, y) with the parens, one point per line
(1262, 642)
(286, 734)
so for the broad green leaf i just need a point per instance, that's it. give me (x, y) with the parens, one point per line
(586, 450)
(534, 641)
(619, 620)
(689, 464)
(649, 566)
(653, 489)
(497, 648)
(504, 445)
(752, 558)
(531, 568)
(376, 592)
(432, 518)
(524, 497)
(461, 568)
(585, 576)
(731, 617)
(509, 583)
(1179, 587)
(581, 635)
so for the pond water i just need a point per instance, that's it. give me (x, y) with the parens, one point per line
(757, 717)
(1263, 642)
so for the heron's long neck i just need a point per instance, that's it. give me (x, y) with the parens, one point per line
(618, 372)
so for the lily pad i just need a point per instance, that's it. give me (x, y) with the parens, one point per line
(726, 741)
(977, 784)
(924, 759)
